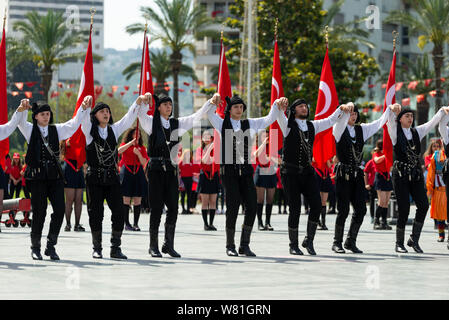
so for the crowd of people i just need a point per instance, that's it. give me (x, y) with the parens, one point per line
(133, 177)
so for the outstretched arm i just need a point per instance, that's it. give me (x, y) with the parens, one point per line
(369, 129)
(324, 124)
(186, 123)
(67, 129)
(8, 128)
(145, 120)
(392, 126)
(424, 129)
(340, 126)
(263, 122)
(443, 129)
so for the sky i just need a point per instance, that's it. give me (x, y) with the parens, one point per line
(117, 15)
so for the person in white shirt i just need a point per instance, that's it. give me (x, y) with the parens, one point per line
(102, 180)
(236, 170)
(297, 173)
(350, 138)
(5, 131)
(44, 176)
(163, 142)
(407, 175)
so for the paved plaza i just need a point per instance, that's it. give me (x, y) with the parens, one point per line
(205, 272)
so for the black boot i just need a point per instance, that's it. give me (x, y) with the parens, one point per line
(211, 219)
(378, 214)
(261, 227)
(293, 236)
(414, 237)
(244, 242)
(126, 215)
(338, 239)
(36, 246)
(308, 240)
(136, 211)
(169, 242)
(230, 245)
(204, 214)
(322, 224)
(154, 244)
(97, 246)
(268, 209)
(385, 225)
(352, 237)
(50, 250)
(116, 241)
(400, 233)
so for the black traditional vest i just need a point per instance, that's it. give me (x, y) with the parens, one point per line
(41, 165)
(160, 146)
(407, 151)
(349, 151)
(101, 157)
(298, 149)
(239, 137)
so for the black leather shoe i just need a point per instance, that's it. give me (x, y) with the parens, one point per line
(268, 227)
(308, 240)
(350, 245)
(377, 225)
(337, 248)
(51, 252)
(400, 248)
(309, 246)
(36, 254)
(261, 227)
(246, 251)
(231, 252)
(116, 253)
(96, 254)
(385, 226)
(296, 251)
(414, 245)
(212, 227)
(155, 253)
(170, 251)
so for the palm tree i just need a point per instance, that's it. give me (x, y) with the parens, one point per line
(49, 38)
(160, 70)
(430, 22)
(176, 24)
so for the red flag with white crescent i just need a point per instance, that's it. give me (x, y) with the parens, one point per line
(390, 98)
(327, 103)
(87, 88)
(4, 144)
(225, 90)
(277, 91)
(146, 80)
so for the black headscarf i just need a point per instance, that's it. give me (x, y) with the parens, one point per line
(404, 111)
(99, 106)
(292, 112)
(229, 103)
(38, 107)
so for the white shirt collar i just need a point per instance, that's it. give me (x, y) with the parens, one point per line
(235, 124)
(165, 122)
(44, 130)
(351, 131)
(302, 124)
(407, 133)
(103, 132)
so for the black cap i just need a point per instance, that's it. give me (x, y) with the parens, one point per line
(296, 103)
(232, 101)
(38, 107)
(99, 106)
(404, 111)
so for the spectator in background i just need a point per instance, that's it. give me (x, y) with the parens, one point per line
(15, 185)
(370, 173)
(186, 169)
(7, 171)
(434, 145)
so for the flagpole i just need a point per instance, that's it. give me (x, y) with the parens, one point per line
(326, 36)
(4, 20)
(276, 30)
(395, 35)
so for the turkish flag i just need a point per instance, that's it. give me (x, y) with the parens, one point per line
(87, 88)
(277, 91)
(146, 80)
(4, 144)
(324, 145)
(390, 98)
(225, 90)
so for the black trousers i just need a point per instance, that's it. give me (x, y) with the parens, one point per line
(40, 191)
(348, 192)
(188, 181)
(403, 189)
(294, 185)
(372, 200)
(15, 189)
(163, 189)
(239, 189)
(96, 194)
